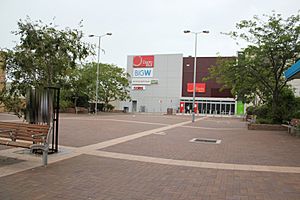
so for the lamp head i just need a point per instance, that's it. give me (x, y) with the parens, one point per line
(91, 35)
(108, 33)
(205, 31)
(186, 31)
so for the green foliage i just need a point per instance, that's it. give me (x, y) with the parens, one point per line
(273, 46)
(296, 115)
(262, 112)
(288, 108)
(113, 84)
(109, 107)
(12, 103)
(77, 89)
(44, 55)
(250, 110)
(264, 121)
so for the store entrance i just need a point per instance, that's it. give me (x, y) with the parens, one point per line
(212, 107)
(188, 107)
(134, 106)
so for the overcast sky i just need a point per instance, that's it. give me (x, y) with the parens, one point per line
(144, 27)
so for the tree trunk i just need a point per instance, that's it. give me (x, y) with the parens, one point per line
(276, 112)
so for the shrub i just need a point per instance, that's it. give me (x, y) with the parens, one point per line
(264, 121)
(250, 110)
(109, 107)
(296, 115)
(262, 111)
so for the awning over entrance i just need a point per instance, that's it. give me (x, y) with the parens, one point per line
(293, 72)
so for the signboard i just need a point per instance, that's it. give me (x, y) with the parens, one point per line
(154, 81)
(138, 87)
(143, 61)
(200, 87)
(142, 72)
(141, 81)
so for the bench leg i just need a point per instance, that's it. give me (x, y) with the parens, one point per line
(45, 156)
(45, 149)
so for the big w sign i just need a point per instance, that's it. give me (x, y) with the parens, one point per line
(143, 72)
(143, 66)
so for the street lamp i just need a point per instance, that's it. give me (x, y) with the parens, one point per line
(98, 66)
(195, 63)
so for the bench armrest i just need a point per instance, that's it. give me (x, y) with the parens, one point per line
(35, 136)
(44, 137)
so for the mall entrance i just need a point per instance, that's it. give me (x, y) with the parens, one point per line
(213, 107)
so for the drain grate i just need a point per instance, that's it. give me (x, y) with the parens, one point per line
(206, 141)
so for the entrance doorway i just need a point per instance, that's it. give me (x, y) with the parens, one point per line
(188, 107)
(134, 106)
(213, 107)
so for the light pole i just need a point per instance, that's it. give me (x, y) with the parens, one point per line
(98, 66)
(195, 63)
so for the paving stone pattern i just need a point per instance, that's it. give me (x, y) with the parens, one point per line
(81, 171)
(237, 146)
(90, 177)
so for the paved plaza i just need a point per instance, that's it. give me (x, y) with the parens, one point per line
(150, 157)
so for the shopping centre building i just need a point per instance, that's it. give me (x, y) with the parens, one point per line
(159, 82)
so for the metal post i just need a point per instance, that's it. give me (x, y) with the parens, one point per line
(194, 80)
(98, 67)
(97, 81)
(195, 67)
(57, 119)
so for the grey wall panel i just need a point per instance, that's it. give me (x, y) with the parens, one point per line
(158, 97)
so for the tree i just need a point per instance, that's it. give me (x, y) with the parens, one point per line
(113, 82)
(273, 45)
(78, 89)
(44, 55)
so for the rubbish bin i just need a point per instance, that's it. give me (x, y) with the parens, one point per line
(169, 111)
(125, 109)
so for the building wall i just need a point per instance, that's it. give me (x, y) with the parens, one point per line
(173, 73)
(296, 86)
(166, 93)
(203, 65)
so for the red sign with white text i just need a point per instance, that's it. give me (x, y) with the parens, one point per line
(143, 61)
(200, 87)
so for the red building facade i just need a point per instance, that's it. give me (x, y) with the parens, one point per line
(209, 98)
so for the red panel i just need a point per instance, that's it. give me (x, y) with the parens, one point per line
(143, 61)
(181, 108)
(196, 108)
(200, 87)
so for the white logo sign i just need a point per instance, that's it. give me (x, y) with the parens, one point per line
(142, 72)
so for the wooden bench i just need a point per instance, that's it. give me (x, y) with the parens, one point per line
(32, 136)
(81, 110)
(250, 118)
(292, 126)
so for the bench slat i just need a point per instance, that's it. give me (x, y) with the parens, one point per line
(15, 144)
(23, 132)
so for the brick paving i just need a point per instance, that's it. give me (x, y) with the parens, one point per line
(90, 131)
(238, 146)
(82, 172)
(91, 177)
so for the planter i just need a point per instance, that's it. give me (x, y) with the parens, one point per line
(267, 127)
